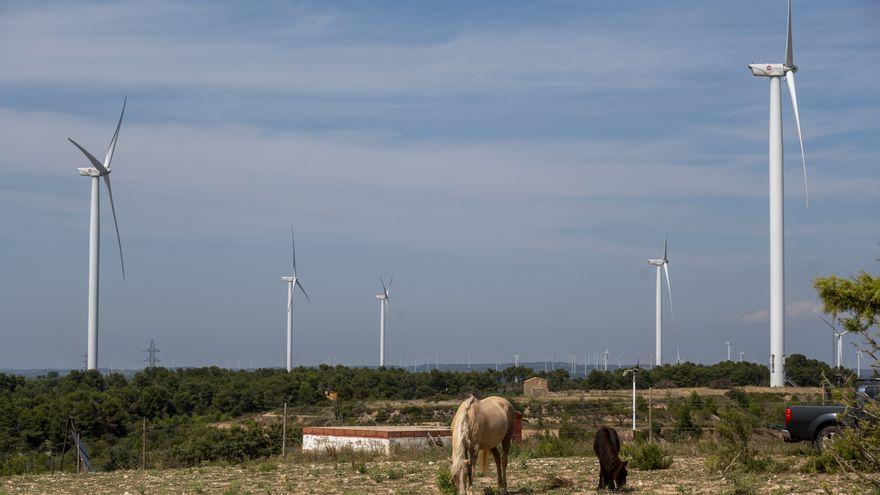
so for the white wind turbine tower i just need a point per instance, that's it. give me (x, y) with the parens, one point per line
(838, 343)
(292, 283)
(729, 342)
(777, 223)
(98, 170)
(661, 264)
(384, 303)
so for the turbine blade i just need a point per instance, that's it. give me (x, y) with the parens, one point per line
(668, 290)
(115, 223)
(390, 281)
(293, 250)
(95, 162)
(109, 156)
(829, 324)
(666, 244)
(789, 49)
(789, 78)
(303, 289)
(384, 289)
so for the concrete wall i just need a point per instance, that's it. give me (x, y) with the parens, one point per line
(323, 443)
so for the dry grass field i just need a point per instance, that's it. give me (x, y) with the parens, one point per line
(686, 475)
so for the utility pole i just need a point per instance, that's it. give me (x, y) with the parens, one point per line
(151, 351)
(633, 371)
(650, 419)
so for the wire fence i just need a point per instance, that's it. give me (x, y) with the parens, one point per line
(157, 443)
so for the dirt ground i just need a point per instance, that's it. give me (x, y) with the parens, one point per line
(687, 475)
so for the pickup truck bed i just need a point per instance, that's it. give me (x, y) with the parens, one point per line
(807, 423)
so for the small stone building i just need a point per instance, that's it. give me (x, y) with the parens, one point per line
(535, 387)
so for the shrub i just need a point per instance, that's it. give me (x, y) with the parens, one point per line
(738, 396)
(553, 446)
(735, 450)
(647, 456)
(394, 473)
(444, 480)
(721, 383)
(572, 431)
(741, 485)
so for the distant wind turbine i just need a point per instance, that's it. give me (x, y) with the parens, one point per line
(292, 284)
(384, 303)
(662, 264)
(838, 340)
(777, 220)
(98, 170)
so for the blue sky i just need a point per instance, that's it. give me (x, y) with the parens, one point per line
(513, 164)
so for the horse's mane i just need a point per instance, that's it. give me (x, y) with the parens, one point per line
(461, 438)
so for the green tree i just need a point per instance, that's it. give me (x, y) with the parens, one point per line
(855, 302)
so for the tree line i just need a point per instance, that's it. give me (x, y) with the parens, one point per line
(185, 404)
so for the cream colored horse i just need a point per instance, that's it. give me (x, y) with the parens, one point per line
(480, 426)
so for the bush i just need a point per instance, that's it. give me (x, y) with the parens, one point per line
(572, 431)
(741, 485)
(721, 383)
(444, 480)
(647, 456)
(553, 446)
(735, 449)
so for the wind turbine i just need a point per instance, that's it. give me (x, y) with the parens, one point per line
(98, 170)
(661, 264)
(605, 355)
(384, 303)
(292, 283)
(777, 222)
(729, 342)
(838, 340)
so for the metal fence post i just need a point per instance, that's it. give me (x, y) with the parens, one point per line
(284, 432)
(650, 418)
(144, 445)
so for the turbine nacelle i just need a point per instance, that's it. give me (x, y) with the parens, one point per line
(289, 279)
(657, 262)
(771, 70)
(90, 172)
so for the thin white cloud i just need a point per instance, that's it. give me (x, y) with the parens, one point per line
(797, 309)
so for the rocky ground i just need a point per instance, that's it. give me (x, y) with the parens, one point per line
(687, 475)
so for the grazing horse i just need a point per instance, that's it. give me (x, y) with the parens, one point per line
(612, 471)
(480, 426)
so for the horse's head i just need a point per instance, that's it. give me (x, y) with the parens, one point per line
(462, 475)
(619, 475)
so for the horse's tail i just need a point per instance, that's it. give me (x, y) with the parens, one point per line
(484, 459)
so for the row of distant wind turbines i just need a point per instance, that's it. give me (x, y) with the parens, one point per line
(293, 283)
(774, 71)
